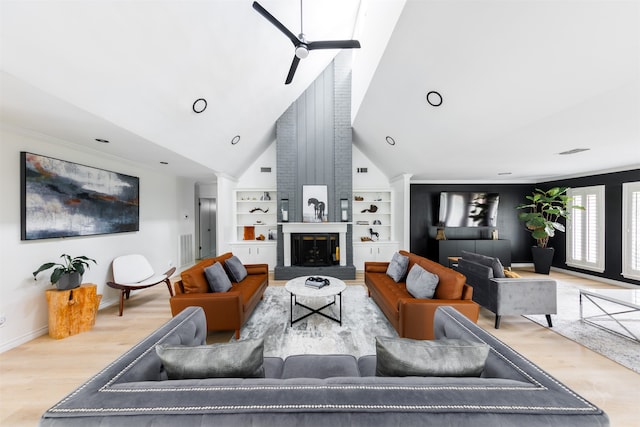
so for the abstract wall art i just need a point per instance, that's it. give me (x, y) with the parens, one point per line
(64, 199)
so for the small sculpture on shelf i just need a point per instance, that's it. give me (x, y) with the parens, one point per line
(374, 234)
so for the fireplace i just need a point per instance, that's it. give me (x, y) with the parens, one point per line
(314, 249)
(291, 229)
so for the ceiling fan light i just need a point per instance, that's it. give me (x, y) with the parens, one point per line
(302, 52)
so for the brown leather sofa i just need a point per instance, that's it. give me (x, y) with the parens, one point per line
(412, 317)
(223, 310)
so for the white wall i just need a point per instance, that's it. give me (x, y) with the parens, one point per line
(225, 232)
(374, 178)
(253, 178)
(23, 299)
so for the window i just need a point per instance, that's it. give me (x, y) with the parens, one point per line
(585, 229)
(631, 230)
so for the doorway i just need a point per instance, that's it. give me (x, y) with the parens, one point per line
(207, 210)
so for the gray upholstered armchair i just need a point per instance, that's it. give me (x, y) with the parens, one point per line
(507, 296)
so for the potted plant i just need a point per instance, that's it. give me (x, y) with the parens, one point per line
(542, 217)
(67, 275)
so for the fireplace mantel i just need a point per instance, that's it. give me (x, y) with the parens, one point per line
(289, 228)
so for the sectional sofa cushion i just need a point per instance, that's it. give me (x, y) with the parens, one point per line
(491, 262)
(398, 267)
(242, 359)
(217, 278)
(320, 366)
(237, 271)
(403, 357)
(421, 283)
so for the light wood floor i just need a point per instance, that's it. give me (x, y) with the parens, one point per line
(35, 375)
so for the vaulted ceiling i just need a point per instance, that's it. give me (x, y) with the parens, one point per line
(520, 81)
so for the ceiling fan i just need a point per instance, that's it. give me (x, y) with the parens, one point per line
(302, 46)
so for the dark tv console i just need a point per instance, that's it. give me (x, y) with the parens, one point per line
(453, 248)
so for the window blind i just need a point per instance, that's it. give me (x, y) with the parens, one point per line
(631, 230)
(585, 242)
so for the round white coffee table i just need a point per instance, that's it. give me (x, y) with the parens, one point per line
(297, 288)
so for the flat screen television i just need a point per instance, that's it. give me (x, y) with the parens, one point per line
(468, 209)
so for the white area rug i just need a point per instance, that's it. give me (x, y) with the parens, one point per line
(568, 324)
(362, 321)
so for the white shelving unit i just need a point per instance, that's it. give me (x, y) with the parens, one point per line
(255, 208)
(373, 210)
(364, 202)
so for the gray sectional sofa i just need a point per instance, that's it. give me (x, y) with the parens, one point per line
(321, 390)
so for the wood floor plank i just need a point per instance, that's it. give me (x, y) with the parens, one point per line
(37, 374)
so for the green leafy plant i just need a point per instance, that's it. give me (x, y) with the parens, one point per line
(544, 211)
(70, 265)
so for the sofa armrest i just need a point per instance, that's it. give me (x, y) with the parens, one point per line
(257, 268)
(416, 315)
(467, 292)
(376, 266)
(178, 287)
(525, 296)
(223, 310)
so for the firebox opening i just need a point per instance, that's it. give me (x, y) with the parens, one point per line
(314, 249)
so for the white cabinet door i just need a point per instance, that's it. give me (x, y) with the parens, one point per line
(255, 253)
(266, 254)
(362, 253)
(386, 250)
(372, 251)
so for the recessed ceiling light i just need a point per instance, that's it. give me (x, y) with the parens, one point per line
(391, 141)
(434, 98)
(199, 105)
(235, 140)
(104, 141)
(574, 151)
(505, 173)
(164, 163)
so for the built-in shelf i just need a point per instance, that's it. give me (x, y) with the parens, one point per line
(373, 219)
(255, 226)
(372, 215)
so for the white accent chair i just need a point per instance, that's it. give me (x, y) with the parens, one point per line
(133, 272)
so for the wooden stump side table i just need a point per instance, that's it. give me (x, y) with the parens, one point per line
(72, 311)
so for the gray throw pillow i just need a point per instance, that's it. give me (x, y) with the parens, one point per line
(403, 357)
(491, 262)
(421, 283)
(237, 271)
(398, 267)
(242, 359)
(217, 278)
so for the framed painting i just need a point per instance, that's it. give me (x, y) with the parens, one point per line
(314, 203)
(64, 199)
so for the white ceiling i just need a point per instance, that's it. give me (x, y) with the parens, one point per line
(521, 81)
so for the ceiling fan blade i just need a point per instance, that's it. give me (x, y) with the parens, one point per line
(292, 70)
(334, 44)
(262, 11)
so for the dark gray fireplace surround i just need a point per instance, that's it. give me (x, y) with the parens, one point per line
(313, 144)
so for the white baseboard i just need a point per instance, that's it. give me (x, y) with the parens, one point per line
(45, 329)
(24, 338)
(108, 303)
(522, 264)
(595, 278)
